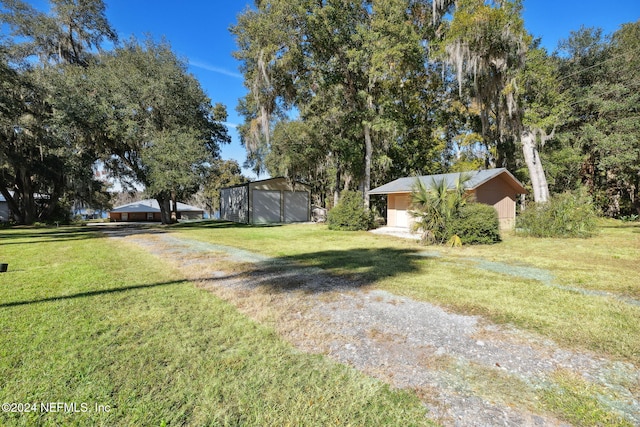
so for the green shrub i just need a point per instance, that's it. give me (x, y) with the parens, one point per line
(349, 214)
(435, 207)
(476, 223)
(565, 215)
(447, 215)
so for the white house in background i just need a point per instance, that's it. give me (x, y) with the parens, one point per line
(494, 187)
(274, 200)
(149, 210)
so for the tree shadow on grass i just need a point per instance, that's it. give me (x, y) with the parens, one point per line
(369, 264)
(330, 270)
(624, 225)
(68, 233)
(315, 272)
(90, 293)
(219, 224)
(49, 235)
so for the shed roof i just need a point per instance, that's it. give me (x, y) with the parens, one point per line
(477, 178)
(262, 181)
(151, 205)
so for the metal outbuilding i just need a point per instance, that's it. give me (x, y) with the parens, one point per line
(274, 200)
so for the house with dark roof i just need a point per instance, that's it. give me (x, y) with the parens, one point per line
(494, 187)
(149, 210)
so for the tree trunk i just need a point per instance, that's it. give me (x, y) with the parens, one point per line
(634, 194)
(534, 164)
(27, 212)
(54, 198)
(368, 154)
(165, 209)
(336, 189)
(174, 210)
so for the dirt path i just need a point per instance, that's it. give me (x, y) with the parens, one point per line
(467, 372)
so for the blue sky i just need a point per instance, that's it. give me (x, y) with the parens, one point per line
(198, 31)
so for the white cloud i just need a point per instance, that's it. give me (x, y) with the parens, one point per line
(215, 69)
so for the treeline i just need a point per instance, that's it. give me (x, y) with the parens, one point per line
(350, 94)
(67, 103)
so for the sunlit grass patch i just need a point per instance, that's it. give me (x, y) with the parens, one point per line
(579, 402)
(541, 285)
(98, 321)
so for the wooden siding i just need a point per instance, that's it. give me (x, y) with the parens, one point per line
(499, 190)
(398, 210)
(501, 195)
(391, 210)
(496, 193)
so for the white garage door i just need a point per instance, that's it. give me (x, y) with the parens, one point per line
(296, 206)
(266, 206)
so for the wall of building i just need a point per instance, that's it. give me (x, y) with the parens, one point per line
(281, 184)
(499, 194)
(398, 206)
(135, 216)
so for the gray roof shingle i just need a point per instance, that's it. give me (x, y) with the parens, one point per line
(477, 178)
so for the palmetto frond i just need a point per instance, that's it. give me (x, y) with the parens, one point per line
(434, 207)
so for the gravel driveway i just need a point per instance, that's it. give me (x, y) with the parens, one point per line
(467, 371)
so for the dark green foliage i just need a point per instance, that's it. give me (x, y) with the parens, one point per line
(565, 215)
(42, 149)
(350, 214)
(476, 223)
(445, 215)
(602, 77)
(64, 106)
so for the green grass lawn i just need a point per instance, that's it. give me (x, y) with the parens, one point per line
(583, 293)
(87, 321)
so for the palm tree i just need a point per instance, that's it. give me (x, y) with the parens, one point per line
(434, 208)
